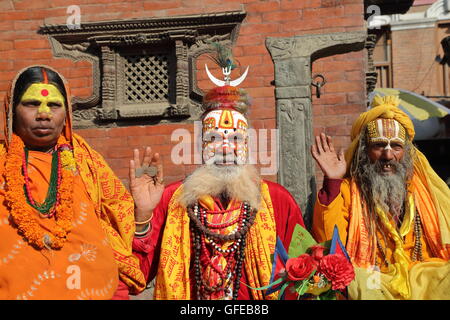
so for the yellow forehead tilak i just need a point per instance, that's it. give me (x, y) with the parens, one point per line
(386, 130)
(45, 93)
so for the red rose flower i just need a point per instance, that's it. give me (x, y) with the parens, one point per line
(317, 252)
(300, 268)
(337, 269)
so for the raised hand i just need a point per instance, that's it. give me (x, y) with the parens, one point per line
(333, 165)
(146, 186)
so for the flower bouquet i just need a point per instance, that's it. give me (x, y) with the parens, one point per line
(311, 270)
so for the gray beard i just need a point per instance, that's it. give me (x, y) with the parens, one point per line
(387, 191)
(239, 182)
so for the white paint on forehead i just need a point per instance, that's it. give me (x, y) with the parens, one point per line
(384, 134)
(382, 130)
(217, 114)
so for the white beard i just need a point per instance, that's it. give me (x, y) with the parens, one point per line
(238, 182)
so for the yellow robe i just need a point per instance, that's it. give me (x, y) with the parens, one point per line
(429, 279)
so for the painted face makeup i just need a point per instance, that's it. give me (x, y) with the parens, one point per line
(45, 96)
(386, 139)
(386, 131)
(39, 117)
(225, 137)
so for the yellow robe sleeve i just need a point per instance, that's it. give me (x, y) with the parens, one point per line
(336, 213)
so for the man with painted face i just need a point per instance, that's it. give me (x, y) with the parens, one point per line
(391, 208)
(66, 221)
(212, 235)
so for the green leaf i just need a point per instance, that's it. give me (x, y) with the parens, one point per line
(282, 289)
(298, 284)
(279, 280)
(301, 241)
(304, 287)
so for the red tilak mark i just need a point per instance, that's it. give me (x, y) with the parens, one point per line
(44, 74)
(44, 92)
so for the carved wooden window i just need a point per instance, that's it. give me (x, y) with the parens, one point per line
(142, 68)
(146, 78)
(146, 82)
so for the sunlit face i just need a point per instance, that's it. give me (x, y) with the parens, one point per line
(225, 138)
(40, 116)
(386, 143)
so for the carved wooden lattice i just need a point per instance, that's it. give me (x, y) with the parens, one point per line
(147, 78)
(132, 81)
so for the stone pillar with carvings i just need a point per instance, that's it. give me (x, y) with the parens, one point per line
(182, 79)
(108, 84)
(292, 59)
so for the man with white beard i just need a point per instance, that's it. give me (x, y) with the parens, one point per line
(391, 208)
(212, 235)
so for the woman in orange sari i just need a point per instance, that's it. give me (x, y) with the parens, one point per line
(66, 221)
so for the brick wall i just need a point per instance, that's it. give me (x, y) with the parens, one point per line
(414, 67)
(342, 98)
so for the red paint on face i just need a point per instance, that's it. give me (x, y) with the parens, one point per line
(44, 92)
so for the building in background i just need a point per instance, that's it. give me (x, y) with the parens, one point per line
(136, 70)
(409, 55)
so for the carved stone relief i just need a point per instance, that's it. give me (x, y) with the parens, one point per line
(292, 59)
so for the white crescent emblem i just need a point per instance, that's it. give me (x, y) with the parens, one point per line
(221, 83)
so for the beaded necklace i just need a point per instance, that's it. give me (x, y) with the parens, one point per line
(18, 197)
(206, 246)
(47, 208)
(417, 254)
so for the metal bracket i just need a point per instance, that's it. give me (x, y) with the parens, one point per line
(318, 84)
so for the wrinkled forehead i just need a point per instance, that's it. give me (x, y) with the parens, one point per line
(224, 119)
(385, 130)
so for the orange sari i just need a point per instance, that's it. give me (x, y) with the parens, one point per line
(83, 269)
(103, 226)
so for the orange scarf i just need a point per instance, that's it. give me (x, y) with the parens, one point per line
(387, 108)
(430, 194)
(114, 207)
(362, 248)
(173, 281)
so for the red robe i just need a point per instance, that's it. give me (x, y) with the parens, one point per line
(147, 249)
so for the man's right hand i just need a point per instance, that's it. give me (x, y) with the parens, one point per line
(145, 189)
(333, 165)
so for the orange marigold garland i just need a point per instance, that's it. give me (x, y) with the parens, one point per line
(26, 217)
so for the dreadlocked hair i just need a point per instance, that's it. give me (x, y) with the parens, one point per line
(359, 171)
